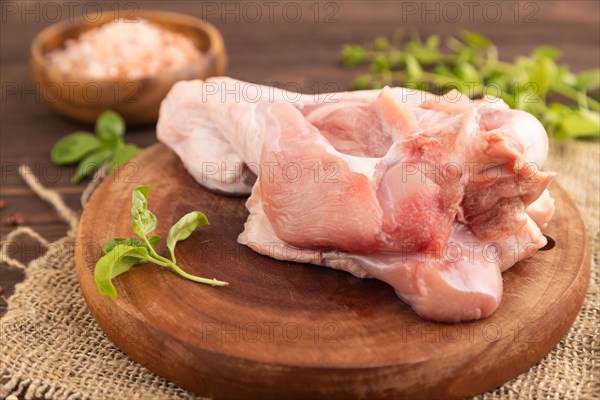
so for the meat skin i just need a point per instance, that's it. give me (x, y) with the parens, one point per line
(434, 195)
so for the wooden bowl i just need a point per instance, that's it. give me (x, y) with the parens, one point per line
(83, 98)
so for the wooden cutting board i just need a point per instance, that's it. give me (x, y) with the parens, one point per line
(287, 330)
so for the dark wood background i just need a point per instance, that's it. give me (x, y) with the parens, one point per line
(273, 46)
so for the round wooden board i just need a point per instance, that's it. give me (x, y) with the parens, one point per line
(287, 330)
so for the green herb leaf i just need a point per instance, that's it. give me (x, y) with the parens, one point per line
(414, 72)
(396, 59)
(74, 147)
(472, 63)
(545, 75)
(122, 155)
(183, 229)
(144, 222)
(465, 55)
(581, 123)
(91, 163)
(466, 72)
(377, 84)
(112, 243)
(352, 55)
(542, 52)
(565, 76)
(132, 241)
(381, 43)
(589, 80)
(380, 64)
(95, 150)
(123, 253)
(362, 82)
(432, 43)
(154, 240)
(476, 39)
(110, 126)
(119, 260)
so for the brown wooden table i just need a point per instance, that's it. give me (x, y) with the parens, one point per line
(289, 44)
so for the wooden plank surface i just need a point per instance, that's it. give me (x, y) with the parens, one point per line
(267, 44)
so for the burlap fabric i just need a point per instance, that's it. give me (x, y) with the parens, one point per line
(52, 347)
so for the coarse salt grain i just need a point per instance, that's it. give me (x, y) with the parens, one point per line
(128, 49)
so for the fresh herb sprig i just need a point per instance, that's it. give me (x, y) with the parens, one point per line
(471, 65)
(120, 254)
(92, 151)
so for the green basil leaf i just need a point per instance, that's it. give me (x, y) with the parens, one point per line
(521, 74)
(380, 64)
(432, 43)
(377, 84)
(74, 147)
(396, 59)
(466, 72)
(122, 155)
(352, 55)
(470, 62)
(111, 244)
(589, 80)
(414, 72)
(542, 52)
(362, 82)
(442, 69)
(154, 240)
(565, 76)
(454, 44)
(110, 126)
(144, 221)
(544, 75)
(91, 163)
(465, 55)
(132, 241)
(381, 43)
(119, 260)
(581, 123)
(476, 39)
(142, 191)
(184, 228)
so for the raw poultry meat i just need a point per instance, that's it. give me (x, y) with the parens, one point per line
(434, 195)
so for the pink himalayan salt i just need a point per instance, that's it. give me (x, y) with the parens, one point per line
(127, 49)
